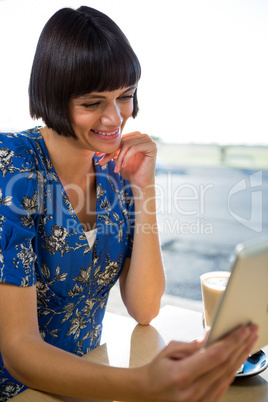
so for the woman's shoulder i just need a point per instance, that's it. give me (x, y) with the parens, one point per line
(19, 141)
(18, 146)
(18, 152)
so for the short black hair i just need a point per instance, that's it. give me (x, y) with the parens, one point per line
(79, 51)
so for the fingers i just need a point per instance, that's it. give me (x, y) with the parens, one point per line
(188, 372)
(131, 144)
(202, 371)
(225, 374)
(179, 350)
(107, 157)
(243, 350)
(215, 381)
(221, 351)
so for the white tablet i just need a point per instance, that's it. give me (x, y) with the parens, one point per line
(245, 299)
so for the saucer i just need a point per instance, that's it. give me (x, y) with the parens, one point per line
(254, 365)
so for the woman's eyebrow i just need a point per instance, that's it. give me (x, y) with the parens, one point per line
(91, 96)
(130, 88)
(98, 96)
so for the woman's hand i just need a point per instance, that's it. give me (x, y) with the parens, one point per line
(135, 160)
(188, 372)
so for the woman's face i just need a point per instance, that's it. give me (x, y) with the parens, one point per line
(98, 118)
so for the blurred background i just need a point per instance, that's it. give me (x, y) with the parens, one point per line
(203, 96)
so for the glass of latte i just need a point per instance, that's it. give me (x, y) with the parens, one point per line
(213, 285)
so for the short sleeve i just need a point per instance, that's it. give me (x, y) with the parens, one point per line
(18, 210)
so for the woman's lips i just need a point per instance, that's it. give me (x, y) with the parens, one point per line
(106, 135)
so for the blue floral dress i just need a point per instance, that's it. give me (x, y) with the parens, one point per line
(42, 242)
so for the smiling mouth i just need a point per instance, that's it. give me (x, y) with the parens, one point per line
(106, 134)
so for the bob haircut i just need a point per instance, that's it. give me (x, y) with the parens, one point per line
(79, 51)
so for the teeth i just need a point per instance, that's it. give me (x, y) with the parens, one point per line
(107, 134)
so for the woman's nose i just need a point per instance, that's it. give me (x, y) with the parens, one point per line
(112, 116)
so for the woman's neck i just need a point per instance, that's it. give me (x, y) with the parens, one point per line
(71, 162)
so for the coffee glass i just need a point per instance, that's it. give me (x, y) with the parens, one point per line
(213, 285)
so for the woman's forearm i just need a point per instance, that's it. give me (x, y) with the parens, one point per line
(145, 280)
(44, 367)
(41, 366)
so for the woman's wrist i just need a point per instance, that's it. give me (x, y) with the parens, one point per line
(138, 190)
(132, 384)
(143, 194)
(140, 384)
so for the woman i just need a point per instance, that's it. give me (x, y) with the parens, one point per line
(76, 196)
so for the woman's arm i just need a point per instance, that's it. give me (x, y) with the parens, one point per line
(142, 281)
(41, 366)
(180, 372)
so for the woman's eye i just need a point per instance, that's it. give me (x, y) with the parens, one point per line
(126, 97)
(90, 105)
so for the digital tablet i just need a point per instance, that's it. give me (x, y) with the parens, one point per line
(245, 299)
